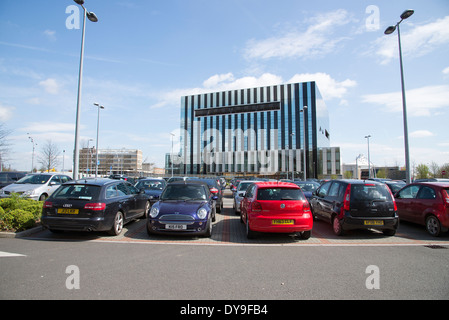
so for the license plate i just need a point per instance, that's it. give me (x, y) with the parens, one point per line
(282, 222)
(176, 226)
(373, 222)
(67, 211)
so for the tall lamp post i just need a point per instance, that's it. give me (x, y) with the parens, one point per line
(76, 157)
(406, 14)
(32, 156)
(96, 148)
(369, 158)
(171, 156)
(304, 113)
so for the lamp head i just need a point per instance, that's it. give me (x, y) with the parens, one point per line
(407, 14)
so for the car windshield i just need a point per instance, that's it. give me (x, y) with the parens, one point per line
(34, 179)
(77, 192)
(280, 194)
(369, 192)
(243, 186)
(184, 192)
(151, 185)
(395, 187)
(308, 186)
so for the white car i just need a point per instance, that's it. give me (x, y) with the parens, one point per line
(36, 186)
(240, 193)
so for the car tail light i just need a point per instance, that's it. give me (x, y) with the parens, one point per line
(48, 204)
(95, 206)
(305, 206)
(394, 200)
(213, 190)
(256, 206)
(346, 198)
(445, 197)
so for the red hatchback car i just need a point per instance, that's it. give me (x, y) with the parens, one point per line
(278, 207)
(425, 203)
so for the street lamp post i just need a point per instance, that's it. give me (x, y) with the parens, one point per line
(406, 14)
(171, 156)
(32, 156)
(96, 148)
(92, 17)
(304, 113)
(369, 158)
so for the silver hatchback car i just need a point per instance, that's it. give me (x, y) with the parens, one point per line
(36, 186)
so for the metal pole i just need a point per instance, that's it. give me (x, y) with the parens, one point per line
(404, 110)
(305, 142)
(96, 148)
(80, 80)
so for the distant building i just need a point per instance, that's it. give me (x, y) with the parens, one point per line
(257, 131)
(111, 161)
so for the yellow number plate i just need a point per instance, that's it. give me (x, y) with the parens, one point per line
(282, 222)
(67, 211)
(373, 223)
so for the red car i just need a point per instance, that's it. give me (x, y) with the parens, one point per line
(425, 203)
(278, 207)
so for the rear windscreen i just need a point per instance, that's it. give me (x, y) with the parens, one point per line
(280, 194)
(77, 192)
(370, 192)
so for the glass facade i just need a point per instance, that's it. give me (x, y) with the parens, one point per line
(255, 131)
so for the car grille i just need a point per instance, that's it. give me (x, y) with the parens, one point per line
(176, 217)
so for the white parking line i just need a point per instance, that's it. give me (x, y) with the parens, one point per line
(8, 254)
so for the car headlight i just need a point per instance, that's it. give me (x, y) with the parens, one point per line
(28, 193)
(154, 212)
(201, 213)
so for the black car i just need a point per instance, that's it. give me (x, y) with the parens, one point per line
(356, 204)
(215, 188)
(94, 205)
(152, 187)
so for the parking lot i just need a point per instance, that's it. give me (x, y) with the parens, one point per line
(228, 230)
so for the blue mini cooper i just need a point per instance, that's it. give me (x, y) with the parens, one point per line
(185, 207)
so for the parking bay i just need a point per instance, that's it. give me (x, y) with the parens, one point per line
(228, 230)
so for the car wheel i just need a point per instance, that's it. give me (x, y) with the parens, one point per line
(336, 225)
(433, 226)
(389, 232)
(147, 209)
(304, 234)
(208, 233)
(117, 227)
(250, 234)
(43, 197)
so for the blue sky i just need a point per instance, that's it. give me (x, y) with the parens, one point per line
(142, 56)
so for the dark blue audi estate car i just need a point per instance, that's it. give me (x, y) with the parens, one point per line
(184, 207)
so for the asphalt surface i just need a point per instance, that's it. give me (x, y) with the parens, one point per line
(71, 265)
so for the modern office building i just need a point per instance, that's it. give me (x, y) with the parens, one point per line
(111, 161)
(258, 131)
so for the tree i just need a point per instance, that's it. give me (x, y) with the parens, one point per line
(422, 171)
(4, 144)
(48, 157)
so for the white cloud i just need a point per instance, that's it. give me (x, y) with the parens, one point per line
(421, 134)
(446, 70)
(416, 43)
(319, 39)
(5, 113)
(425, 101)
(50, 34)
(329, 87)
(50, 86)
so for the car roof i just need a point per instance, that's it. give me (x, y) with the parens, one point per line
(431, 183)
(356, 181)
(95, 181)
(187, 182)
(270, 184)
